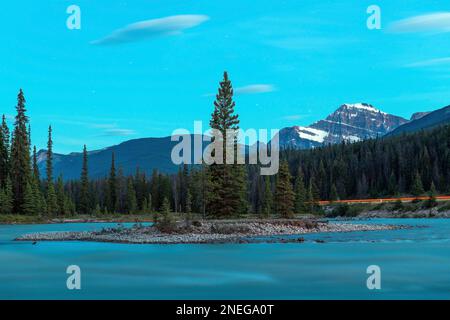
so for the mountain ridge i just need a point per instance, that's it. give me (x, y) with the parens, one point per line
(350, 123)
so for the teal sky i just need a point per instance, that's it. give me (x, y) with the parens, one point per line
(291, 63)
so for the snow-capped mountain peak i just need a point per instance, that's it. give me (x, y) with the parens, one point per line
(351, 122)
(362, 106)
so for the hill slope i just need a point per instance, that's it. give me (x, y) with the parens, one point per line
(146, 154)
(428, 121)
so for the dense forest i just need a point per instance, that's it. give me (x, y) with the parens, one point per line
(408, 164)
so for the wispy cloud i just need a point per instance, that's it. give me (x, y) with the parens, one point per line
(107, 129)
(436, 22)
(429, 63)
(293, 117)
(255, 89)
(310, 43)
(147, 29)
(249, 89)
(118, 132)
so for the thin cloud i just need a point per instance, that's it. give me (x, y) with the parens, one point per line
(437, 22)
(118, 132)
(429, 63)
(249, 89)
(293, 117)
(310, 43)
(148, 29)
(255, 89)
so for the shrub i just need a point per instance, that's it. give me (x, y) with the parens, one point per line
(345, 210)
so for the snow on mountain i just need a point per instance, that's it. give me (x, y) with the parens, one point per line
(350, 122)
(311, 134)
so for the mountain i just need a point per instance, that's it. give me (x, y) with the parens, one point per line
(350, 122)
(418, 115)
(147, 154)
(428, 121)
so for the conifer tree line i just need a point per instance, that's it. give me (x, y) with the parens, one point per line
(409, 164)
(405, 165)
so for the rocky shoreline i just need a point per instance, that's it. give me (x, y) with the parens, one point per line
(208, 232)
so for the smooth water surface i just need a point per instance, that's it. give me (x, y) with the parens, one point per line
(415, 263)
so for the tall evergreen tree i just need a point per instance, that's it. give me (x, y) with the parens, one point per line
(52, 200)
(417, 186)
(268, 198)
(29, 204)
(61, 196)
(39, 200)
(284, 195)
(36, 174)
(154, 190)
(300, 193)
(113, 187)
(313, 196)
(333, 193)
(229, 189)
(4, 152)
(49, 161)
(6, 198)
(131, 197)
(83, 206)
(20, 170)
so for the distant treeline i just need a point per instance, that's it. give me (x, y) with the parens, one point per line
(404, 164)
(408, 164)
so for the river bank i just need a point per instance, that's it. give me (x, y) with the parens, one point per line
(217, 231)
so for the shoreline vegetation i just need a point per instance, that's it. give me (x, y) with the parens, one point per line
(414, 209)
(211, 232)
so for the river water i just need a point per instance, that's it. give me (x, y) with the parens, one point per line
(414, 263)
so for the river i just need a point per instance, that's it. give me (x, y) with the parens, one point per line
(414, 263)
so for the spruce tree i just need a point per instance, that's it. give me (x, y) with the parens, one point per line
(20, 167)
(284, 195)
(52, 200)
(112, 184)
(188, 208)
(61, 196)
(36, 174)
(167, 222)
(6, 198)
(300, 193)
(40, 203)
(268, 198)
(4, 152)
(313, 196)
(154, 189)
(49, 162)
(333, 193)
(83, 206)
(431, 202)
(229, 188)
(29, 204)
(417, 186)
(131, 197)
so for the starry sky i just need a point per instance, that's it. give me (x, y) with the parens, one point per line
(144, 68)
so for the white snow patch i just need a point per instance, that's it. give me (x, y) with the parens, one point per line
(311, 134)
(362, 106)
(352, 138)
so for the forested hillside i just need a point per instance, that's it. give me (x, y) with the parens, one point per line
(378, 167)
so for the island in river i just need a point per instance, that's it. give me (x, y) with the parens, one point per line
(211, 231)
